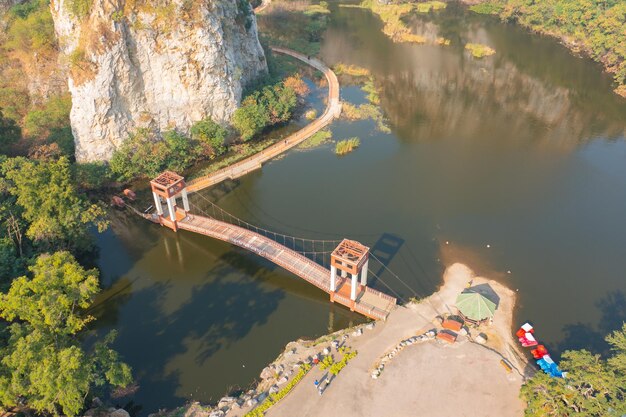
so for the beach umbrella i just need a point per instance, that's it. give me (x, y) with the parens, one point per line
(475, 306)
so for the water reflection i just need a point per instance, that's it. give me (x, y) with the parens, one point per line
(429, 91)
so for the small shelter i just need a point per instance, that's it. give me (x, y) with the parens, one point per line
(475, 307)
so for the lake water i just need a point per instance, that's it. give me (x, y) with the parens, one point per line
(515, 164)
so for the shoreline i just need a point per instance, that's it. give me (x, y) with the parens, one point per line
(391, 343)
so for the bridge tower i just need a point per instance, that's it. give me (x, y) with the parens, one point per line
(167, 186)
(350, 257)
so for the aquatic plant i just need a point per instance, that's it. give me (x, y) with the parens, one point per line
(365, 111)
(479, 50)
(310, 114)
(347, 145)
(352, 70)
(317, 139)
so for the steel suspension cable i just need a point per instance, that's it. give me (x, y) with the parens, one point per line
(393, 274)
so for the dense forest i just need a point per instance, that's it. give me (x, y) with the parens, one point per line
(594, 27)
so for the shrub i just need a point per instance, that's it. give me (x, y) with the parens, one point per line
(9, 133)
(272, 399)
(92, 175)
(140, 155)
(54, 114)
(32, 29)
(79, 8)
(250, 119)
(310, 114)
(346, 146)
(210, 135)
(487, 8)
(348, 354)
(145, 154)
(269, 106)
(297, 84)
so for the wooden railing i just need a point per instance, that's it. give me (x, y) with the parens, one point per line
(254, 162)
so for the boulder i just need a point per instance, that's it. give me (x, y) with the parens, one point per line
(226, 402)
(326, 351)
(274, 389)
(251, 402)
(481, 338)
(370, 326)
(282, 380)
(267, 373)
(217, 413)
(119, 413)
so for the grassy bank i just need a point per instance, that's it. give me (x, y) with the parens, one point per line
(297, 25)
(595, 27)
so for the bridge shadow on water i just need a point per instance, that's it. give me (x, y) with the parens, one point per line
(385, 249)
(214, 315)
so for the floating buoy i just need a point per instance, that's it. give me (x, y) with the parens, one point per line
(117, 201)
(488, 246)
(130, 194)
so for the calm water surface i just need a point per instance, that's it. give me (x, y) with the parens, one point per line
(523, 151)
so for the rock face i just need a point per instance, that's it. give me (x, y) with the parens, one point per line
(153, 64)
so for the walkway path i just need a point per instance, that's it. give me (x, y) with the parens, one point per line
(262, 6)
(254, 162)
(369, 302)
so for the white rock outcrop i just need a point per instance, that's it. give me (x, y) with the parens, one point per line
(160, 65)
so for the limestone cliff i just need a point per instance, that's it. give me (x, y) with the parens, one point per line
(157, 64)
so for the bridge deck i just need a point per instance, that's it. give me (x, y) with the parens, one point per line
(369, 302)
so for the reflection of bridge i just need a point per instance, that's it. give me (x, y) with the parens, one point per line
(346, 281)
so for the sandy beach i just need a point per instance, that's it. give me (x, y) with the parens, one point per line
(430, 378)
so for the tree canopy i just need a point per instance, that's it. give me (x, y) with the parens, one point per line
(269, 106)
(44, 364)
(596, 25)
(9, 133)
(594, 386)
(56, 214)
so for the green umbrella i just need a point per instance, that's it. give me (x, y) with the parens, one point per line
(475, 306)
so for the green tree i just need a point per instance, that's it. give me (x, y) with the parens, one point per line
(250, 119)
(44, 363)
(10, 133)
(594, 386)
(31, 30)
(271, 105)
(9, 262)
(57, 216)
(210, 135)
(141, 154)
(181, 151)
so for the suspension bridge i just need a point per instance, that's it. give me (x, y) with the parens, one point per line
(345, 280)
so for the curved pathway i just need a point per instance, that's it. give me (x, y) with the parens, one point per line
(261, 6)
(254, 162)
